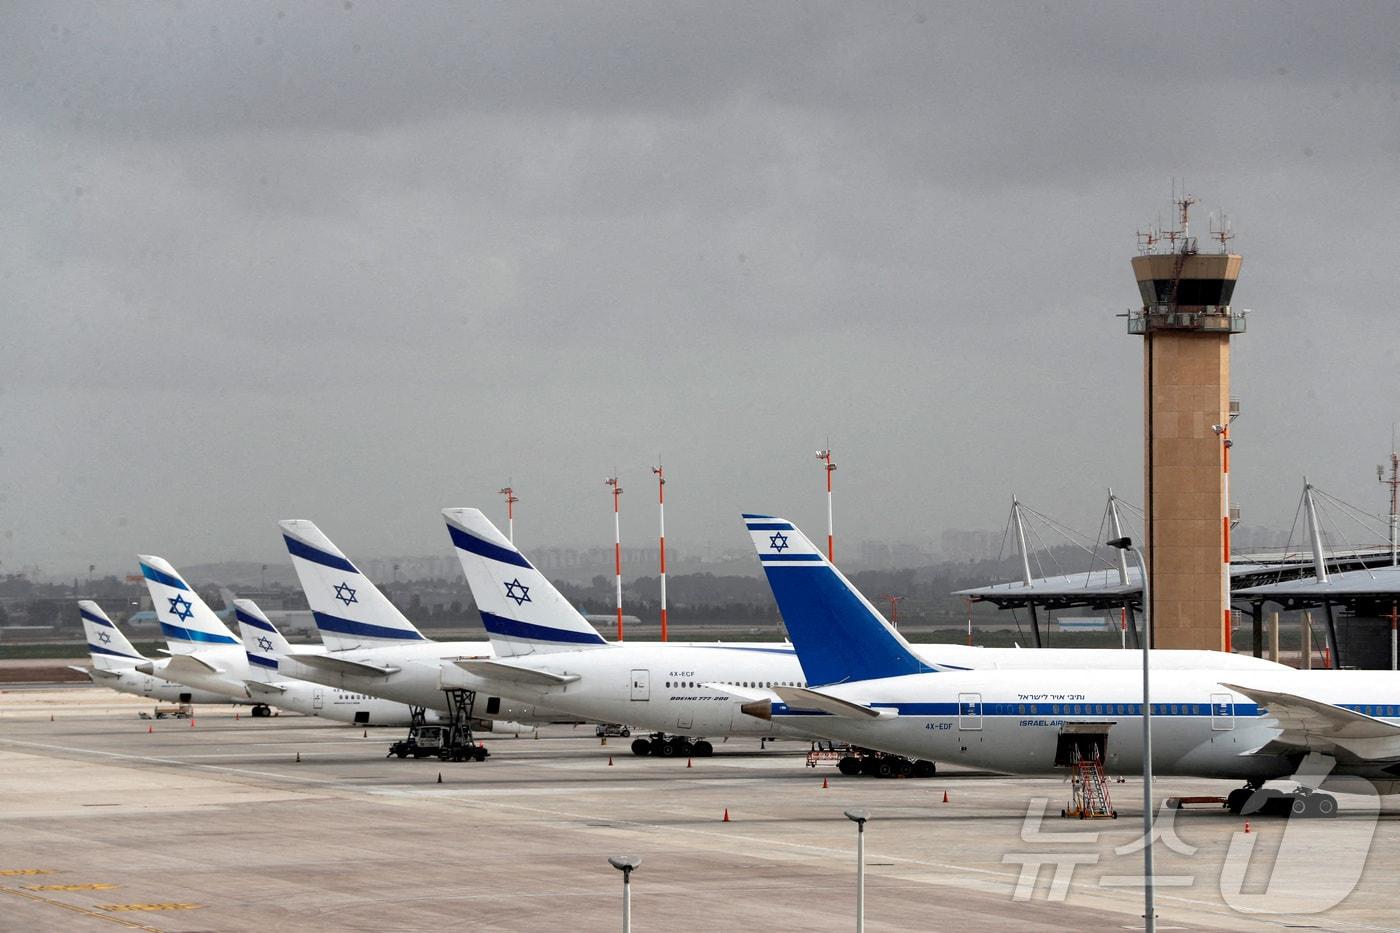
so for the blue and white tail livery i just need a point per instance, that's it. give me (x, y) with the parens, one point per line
(827, 618)
(264, 645)
(521, 610)
(110, 649)
(186, 621)
(349, 610)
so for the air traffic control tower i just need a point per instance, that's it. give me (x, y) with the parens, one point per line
(1186, 324)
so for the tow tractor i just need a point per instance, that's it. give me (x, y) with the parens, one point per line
(447, 741)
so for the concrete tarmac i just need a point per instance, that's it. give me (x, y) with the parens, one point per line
(216, 826)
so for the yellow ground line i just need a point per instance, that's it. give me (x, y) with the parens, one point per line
(165, 905)
(26, 871)
(90, 886)
(82, 910)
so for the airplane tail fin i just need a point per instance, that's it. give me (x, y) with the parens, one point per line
(349, 610)
(227, 595)
(521, 610)
(838, 635)
(264, 644)
(186, 621)
(110, 649)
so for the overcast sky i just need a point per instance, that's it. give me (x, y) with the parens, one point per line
(355, 262)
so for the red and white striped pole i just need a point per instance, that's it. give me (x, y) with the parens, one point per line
(617, 547)
(511, 499)
(661, 511)
(829, 467)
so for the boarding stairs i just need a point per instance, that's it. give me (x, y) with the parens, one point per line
(1089, 796)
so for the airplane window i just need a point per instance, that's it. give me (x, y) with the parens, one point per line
(1056, 708)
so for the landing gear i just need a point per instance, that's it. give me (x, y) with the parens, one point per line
(1304, 803)
(260, 710)
(880, 764)
(664, 746)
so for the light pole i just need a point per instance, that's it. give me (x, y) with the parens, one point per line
(625, 864)
(1149, 912)
(859, 817)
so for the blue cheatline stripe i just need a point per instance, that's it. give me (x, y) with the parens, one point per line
(786, 557)
(474, 545)
(316, 555)
(261, 661)
(771, 526)
(98, 649)
(329, 623)
(97, 619)
(1089, 711)
(160, 576)
(189, 634)
(527, 631)
(250, 619)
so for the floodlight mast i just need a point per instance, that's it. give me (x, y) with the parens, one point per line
(825, 457)
(511, 499)
(617, 546)
(660, 472)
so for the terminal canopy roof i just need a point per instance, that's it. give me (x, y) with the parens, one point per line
(1347, 586)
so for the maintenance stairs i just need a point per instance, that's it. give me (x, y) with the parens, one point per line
(1089, 796)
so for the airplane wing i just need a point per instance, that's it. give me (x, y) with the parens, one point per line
(1324, 727)
(500, 670)
(257, 686)
(182, 665)
(747, 694)
(344, 666)
(807, 698)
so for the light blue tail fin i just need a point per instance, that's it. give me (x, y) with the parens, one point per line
(264, 644)
(186, 621)
(110, 649)
(521, 610)
(838, 635)
(349, 610)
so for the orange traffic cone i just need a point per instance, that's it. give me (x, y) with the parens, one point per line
(945, 796)
(688, 763)
(439, 777)
(150, 729)
(726, 815)
(50, 717)
(1246, 826)
(610, 761)
(298, 756)
(235, 715)
(824, 784)
(191, 723)
(365, 735)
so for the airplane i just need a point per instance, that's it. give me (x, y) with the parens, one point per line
(546, 652)
(114, 661)
(868, 686)
(372, 648)
(266, 683)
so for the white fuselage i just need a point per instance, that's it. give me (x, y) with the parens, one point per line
(134, 682)
(662, 687)
(1012, 722)
(331, 703)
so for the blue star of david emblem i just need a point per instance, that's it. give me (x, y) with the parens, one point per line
(777, 541)
(345, 593)
(104, 637)
(522, 597)
(264, 643)
(180, 607)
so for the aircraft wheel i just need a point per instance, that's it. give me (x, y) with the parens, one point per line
(849, 766)
(1237, 798)
(1324, 805)
(924, 768)
(884, 769)
(704, 749)
(665, 749)
(641, 747)
(626, 731)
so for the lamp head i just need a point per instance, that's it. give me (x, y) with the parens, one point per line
(624, 863)
(858, 817)
(1122, 544)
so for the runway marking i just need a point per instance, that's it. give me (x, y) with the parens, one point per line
(91, 886)
(147, 907)
(174, 761)
(26, 871)
(121, 921)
